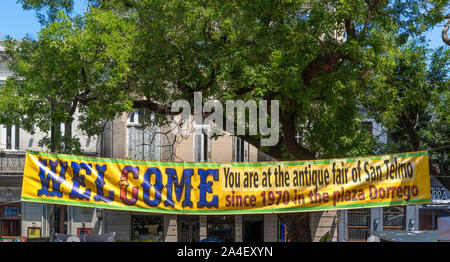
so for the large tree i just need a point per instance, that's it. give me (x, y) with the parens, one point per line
(323, 60)
(72, 67)
(413, 103)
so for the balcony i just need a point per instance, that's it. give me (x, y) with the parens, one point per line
(12, 165)
(12, 162)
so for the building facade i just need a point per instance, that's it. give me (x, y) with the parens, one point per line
(125, 139)
(355, 224)
(196, 147)
(27, 219)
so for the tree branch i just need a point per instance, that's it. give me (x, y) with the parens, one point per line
(273, 151)
(323, 63)
(445, 37)
(154, 107)
(350, 29)
(289, 131)
(408, 125)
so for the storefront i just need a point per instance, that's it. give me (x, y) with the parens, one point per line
(221, 228)
(148, 228)
(253, 228)
(356, 224)
(151, 227)
(440, 207)
(188, 228)
(10, 211)
(10, 219)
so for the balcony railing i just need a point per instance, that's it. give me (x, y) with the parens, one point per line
(12, 162)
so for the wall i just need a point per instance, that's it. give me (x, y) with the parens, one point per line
(322, 222)
(221, 149)
(184, 150)
(376, 220)
(115, 142)
(83, 217)
(33, 217)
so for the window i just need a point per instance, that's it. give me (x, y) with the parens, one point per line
(394, 218)
(16, 138)
(358, 225)
(147, 228)
(10, 227)
(136, 116)
(8, 137)
(133, 118)
(253, 228)
(240, 150)
(201, 144)
(426, 220)
(60, 219)
(188, 228)
(10, 220)
(143, 140)
(221, 227)
(30, 142)
(11, 137)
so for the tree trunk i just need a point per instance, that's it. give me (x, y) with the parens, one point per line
(51, 207)
(409, 125)
(435, 169)
(445, 37)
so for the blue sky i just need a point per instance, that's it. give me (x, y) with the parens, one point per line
(16, 22)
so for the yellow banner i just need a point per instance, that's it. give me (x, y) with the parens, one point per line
(227, 188)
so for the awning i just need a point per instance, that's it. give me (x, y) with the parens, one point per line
(404, 236)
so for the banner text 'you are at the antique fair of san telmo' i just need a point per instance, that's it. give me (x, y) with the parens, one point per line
(227, 188)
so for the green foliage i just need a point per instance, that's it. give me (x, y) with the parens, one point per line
(324, 61)
(75, 66)
(416, 109)
(47, 10)
(64, 144)
(325, 238)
